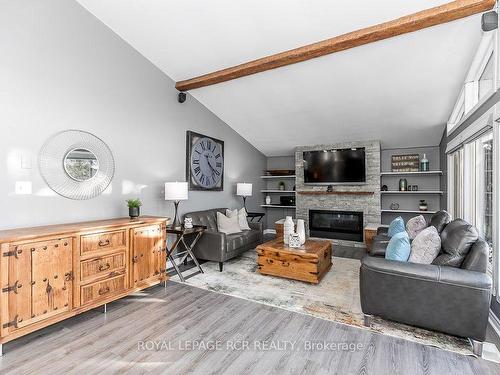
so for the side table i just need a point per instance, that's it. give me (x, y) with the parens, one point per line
(254, 215)
(181, 234)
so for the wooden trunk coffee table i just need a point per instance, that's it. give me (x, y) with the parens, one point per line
(308, 263)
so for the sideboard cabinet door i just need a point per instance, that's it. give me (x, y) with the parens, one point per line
(148, 257)
(40, 280)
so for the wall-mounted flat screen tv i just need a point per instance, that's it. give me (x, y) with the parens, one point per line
(335, 167)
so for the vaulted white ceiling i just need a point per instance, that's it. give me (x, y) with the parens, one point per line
(400, 90)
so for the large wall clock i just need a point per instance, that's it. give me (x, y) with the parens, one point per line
(205, 162)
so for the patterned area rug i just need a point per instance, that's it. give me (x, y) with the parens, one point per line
(335, 298)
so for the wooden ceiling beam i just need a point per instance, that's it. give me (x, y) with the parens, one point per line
(430, 17)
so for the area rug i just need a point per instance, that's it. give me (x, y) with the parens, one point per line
(335, 298)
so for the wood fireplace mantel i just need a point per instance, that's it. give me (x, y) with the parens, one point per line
(316, 192)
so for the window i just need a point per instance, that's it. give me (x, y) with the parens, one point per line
(479, 83)
(455, 182)
(483, 186)
(486, 79)
(471, 186)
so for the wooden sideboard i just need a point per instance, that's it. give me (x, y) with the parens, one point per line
(51, 273)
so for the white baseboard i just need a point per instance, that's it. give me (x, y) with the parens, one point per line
(269, 231)
(495, 323)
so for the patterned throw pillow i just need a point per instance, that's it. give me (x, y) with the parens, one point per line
(398, 247)
(415, 225)
(426, 246)
(396, 226)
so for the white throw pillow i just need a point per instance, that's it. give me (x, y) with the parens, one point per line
(242, 217)
(415, 225)
(426, 246)
(227, 225)
(231, 213)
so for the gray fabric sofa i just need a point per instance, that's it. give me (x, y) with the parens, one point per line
(219, 247)
(441, 297)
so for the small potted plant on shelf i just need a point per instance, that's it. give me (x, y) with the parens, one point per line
(134, 207)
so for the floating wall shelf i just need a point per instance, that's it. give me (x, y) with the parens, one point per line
(277, 206)
(438, 173)
(413, 192)
(278, 177)
(409, 212)
(278, 191)
(336, 192)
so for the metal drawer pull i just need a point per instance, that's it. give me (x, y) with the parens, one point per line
(104, 243)
(104, 267)
(103, 291)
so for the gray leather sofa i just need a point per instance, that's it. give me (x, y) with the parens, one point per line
(219, 247)
(452, 295)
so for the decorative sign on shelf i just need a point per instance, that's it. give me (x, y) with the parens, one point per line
(405, 163)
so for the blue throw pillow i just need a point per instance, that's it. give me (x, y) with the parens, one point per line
(399, 247)
(396, 226)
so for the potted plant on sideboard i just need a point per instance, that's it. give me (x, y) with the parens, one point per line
(134, 207)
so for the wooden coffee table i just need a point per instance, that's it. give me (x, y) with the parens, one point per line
(308, 263)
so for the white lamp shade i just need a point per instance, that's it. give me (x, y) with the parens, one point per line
(176, 191)
(243, 189)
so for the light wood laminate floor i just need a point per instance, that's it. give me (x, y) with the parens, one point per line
(175, 317)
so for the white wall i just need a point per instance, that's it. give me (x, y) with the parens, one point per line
(61, 68)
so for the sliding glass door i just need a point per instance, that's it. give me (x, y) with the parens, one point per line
(456, 183)
(471, 185)
(480, 152)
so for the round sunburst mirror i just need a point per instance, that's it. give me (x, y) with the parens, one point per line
(76, 164)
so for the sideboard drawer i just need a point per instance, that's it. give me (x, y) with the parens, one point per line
(103, 241)
(99, 267)
(102, 289)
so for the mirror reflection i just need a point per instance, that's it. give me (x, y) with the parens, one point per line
(81, 164)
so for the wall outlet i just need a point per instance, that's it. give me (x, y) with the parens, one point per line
(24, 187)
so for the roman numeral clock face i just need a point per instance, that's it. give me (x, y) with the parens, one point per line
(207, 163)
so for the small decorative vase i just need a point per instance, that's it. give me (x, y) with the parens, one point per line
(301, 231)
(134, 212)
(403, 184)
(188, 222)
(294, 240)
(394, 206)
(423, 205)
(424, 164)
(281, 185)
(268, 199)
(415, 188)
(288, 229)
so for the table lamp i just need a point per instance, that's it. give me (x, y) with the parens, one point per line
(176, 192)
(244, 190)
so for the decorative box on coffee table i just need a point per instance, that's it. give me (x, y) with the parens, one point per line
(308, 263)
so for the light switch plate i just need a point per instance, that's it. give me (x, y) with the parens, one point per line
(26, 161)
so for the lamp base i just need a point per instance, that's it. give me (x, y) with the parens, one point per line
(176, 223)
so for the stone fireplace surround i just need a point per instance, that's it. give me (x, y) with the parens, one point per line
(369, 204)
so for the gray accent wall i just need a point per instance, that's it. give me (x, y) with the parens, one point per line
(60, 69)
(368, 204)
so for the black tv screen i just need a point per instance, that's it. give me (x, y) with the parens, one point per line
(330, 167)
